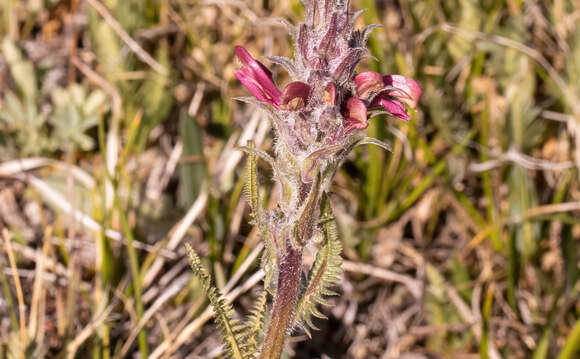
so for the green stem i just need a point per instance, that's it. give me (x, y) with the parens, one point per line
(134, 265)
(572, 345)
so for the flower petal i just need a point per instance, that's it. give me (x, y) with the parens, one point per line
(367, 83)
(247, 79)
(249, 61)
(257, 78)
(403, 88)
(395, 107)
(294, 96)
(355, 116)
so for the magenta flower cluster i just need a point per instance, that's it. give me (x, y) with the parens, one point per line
(354, 94)
(373, 91)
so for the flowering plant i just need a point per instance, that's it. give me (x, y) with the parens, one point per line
(318, 119)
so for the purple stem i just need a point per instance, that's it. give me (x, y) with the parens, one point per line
(284, 303)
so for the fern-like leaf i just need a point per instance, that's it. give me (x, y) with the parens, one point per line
(252, 329)
(252, 185)
(223, 311)
(325, 271)
(251, 189)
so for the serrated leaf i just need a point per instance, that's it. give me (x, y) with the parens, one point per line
(252, 192)
(324, 273)
(252, 329)
(223, 311)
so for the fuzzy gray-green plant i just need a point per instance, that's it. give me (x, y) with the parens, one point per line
(29, 129)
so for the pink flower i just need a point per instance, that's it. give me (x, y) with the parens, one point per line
(294, 96)
(394, 107)
(257, 78)
(355, 116)
(368, 83)
(403, 88)
(388, 92)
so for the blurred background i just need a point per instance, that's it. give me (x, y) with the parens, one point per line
(118, 142)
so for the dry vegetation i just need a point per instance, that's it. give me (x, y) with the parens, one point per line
(118, 142)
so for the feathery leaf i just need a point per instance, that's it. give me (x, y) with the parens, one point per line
(252, 188)
(223, 311)
(324, 273)
(254, 325)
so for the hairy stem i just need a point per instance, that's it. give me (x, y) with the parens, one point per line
(284, 303)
